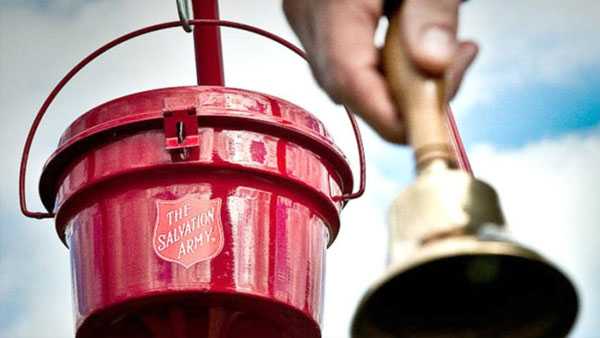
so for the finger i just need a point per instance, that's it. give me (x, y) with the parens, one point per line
(429, 29)
(345, 63)
(300, 19)
(367, 95)
(467, 51)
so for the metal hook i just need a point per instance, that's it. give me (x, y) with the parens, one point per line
(183, 10)
(184, 152)
(180, 132)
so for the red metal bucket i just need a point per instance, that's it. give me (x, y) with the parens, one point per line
(195, 212)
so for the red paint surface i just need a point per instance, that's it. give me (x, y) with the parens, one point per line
(274, 170)
(210, 70)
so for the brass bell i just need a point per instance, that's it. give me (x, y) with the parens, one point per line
(453, 272)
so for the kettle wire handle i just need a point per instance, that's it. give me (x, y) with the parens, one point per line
(166, 25)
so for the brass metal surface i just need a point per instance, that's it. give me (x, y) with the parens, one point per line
(441, 203)
(466, 287)
(454, 272)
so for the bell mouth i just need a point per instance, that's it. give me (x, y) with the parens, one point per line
(470, 289)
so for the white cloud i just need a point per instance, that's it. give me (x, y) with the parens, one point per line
(35, 271)
(527, 43)
(549, 192)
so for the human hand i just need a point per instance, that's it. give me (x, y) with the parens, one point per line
(338, 38)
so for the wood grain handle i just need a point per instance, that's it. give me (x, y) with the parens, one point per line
(420, 97)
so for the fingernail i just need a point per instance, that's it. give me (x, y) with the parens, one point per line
(438, 42)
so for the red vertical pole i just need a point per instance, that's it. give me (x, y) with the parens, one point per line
(207, 45)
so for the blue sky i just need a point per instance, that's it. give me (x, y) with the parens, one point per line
(536, 112)
(529, 112)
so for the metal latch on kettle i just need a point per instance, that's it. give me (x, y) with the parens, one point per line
(181, 132)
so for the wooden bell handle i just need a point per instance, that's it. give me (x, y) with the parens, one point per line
(421, 99)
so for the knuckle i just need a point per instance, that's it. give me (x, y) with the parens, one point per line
(290, 8)
(388, 130)
(392, 135)
(333, 76)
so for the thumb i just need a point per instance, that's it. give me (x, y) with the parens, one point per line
(429, 30)
(467, 51)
